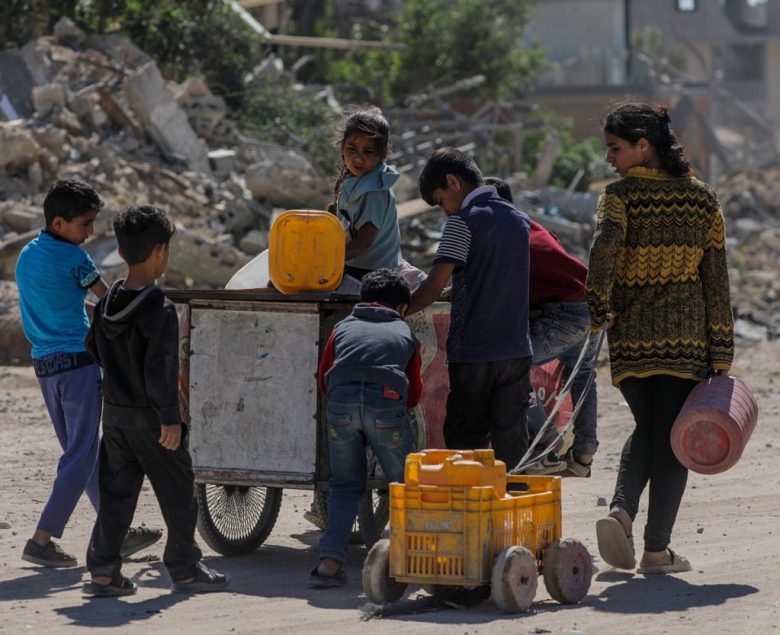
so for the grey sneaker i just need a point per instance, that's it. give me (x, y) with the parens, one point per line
(51, 555)
(550, 464)
(139, 538)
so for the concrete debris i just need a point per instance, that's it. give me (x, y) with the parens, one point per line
(18, 147)
(20, 217)
(287, 178)
(16, 84)
(163, 119)
(68, 33)
(96, 107)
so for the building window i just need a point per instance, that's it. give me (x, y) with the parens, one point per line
(686, 5)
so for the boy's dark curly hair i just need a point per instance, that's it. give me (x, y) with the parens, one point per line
(634, 121)
(443, 162)
(139, 229)
(386, 287)
(70, 198)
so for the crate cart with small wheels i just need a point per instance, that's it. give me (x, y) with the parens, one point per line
(459, 520)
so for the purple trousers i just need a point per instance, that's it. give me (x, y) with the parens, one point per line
(74, 402)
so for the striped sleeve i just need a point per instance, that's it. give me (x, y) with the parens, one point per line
(455, 242)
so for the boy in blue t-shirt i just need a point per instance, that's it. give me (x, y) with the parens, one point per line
(53, 275)
(485, 248)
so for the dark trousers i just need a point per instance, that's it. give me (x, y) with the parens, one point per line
(487, 407)
(126, 455)
(647, 455)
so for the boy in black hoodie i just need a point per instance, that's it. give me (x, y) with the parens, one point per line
(134, 337)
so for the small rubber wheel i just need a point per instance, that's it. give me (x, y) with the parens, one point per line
(568, 570)
(514, 579)
(378, 586)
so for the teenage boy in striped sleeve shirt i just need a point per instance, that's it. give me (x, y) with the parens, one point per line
(485, 249)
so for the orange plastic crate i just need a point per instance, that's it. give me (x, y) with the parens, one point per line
(451, 535)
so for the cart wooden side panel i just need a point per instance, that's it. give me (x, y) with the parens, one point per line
(252, 395)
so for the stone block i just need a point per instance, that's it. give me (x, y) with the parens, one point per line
(286, 178)
(163, 119)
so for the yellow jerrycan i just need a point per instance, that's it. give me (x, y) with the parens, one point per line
(306, 251)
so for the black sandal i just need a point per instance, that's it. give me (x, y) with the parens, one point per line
(205, 580)
(119, 586)
(316, 579)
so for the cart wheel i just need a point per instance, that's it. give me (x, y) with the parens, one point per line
(378, 586)
(236, 519)
(567, 570)
(514, 580)
(373, 515)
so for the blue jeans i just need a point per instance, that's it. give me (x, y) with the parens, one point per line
(357, 414)
(559, 332)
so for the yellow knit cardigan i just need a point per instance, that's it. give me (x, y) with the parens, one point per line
(658, 270)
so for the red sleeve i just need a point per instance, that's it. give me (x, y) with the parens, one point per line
(415, 380)
(325, 363)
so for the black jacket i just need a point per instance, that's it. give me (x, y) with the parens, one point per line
(134, 336)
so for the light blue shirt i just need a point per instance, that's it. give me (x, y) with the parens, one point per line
(369, 199)
(53, 277)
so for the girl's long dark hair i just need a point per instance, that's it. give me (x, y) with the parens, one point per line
(632, 122)
(370, 123)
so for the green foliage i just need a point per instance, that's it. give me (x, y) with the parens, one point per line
(446, 40)
(23, 20)
(281, 114)
(454, 39)
(197, 36)
(586, 154)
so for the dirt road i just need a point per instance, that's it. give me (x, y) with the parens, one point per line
(728, 528)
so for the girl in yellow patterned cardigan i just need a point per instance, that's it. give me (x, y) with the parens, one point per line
(658, 281)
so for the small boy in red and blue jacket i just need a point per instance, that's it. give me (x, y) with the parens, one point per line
(370, 372)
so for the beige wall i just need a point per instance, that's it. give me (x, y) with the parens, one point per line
(586, 109)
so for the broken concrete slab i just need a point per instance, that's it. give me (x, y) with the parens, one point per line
(14, 347)
(68, 33)
(119, 49)
(48, 99)
(36, 56)
(17, 145)
(16, 84)
(203, 262)
(254, 242)
(21, 217)
(163, 119)
(223, 160)
(286, 178)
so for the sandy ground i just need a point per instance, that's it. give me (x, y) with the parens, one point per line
(728, 528)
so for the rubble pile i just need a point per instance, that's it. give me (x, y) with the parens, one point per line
(751, 205)
(98, 108)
